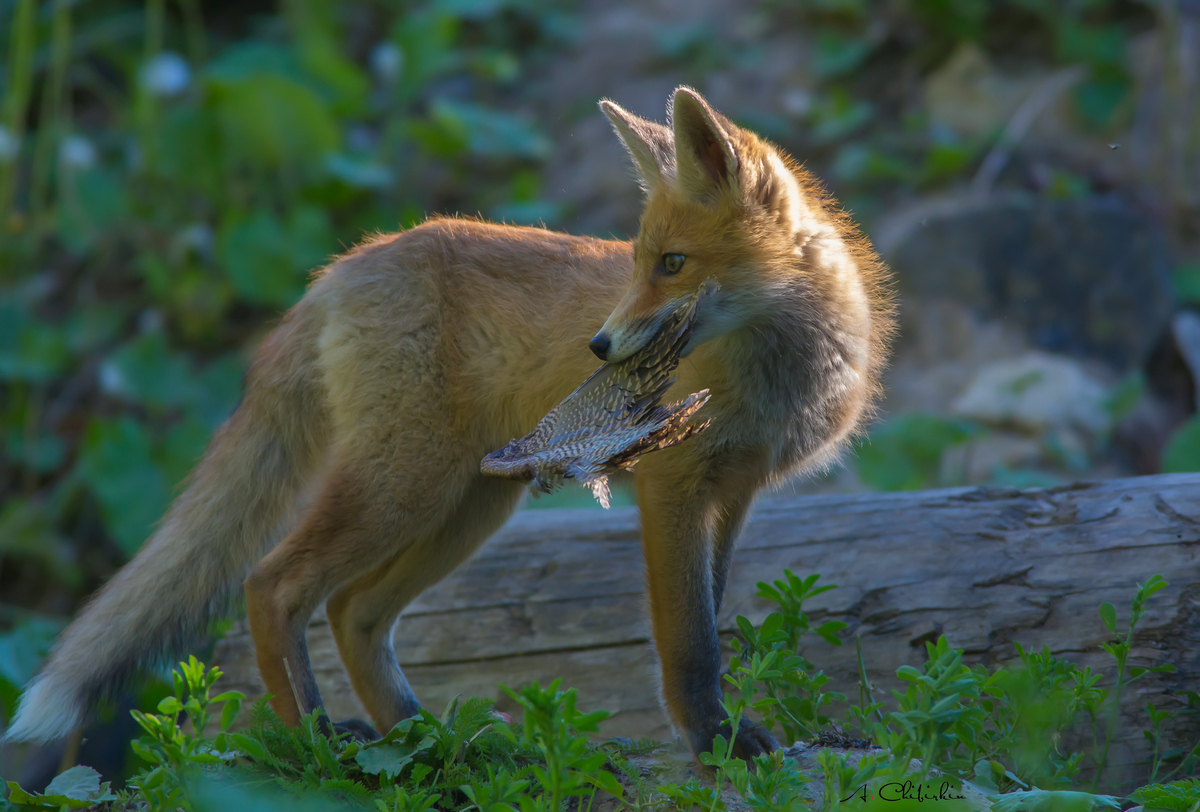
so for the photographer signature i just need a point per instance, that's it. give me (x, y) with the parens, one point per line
(908, 791)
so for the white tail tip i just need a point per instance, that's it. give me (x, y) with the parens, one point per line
(45, 714)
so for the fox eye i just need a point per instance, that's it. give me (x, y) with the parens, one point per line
(673, 262)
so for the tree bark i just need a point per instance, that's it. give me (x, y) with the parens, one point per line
(558, 593)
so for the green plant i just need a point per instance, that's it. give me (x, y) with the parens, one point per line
(554, 728)
(842, 778)
(76, 788)
(1120, 649)
(906, 452)
(939, 719)
(1183, 796)
(174, 752)
(1002, 731)
(794, 695)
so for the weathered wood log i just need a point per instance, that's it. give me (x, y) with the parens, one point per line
(558, 593)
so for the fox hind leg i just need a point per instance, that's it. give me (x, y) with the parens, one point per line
(363, 613)
(366, 511)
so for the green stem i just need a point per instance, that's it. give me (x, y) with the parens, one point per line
(146, 105)
(20, 73)
(197, 37)
(1114, 713)
(54, 118)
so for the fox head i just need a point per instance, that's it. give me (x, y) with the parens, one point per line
(720, 202)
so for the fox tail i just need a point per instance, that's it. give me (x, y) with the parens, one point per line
(233, 510)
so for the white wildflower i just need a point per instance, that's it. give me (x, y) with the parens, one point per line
(387, 61)
(77, 152)
(166, 74)
(10, 145)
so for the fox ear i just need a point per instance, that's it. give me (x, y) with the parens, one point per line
(651, 145)
(706, 159)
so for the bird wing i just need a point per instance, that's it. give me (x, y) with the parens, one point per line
(613, 418)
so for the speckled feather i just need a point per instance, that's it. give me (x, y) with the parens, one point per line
(612, 419)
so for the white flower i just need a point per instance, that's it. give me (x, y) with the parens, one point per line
(796, 101)
(197, 237)
(150, 320)
(112, 381)
(387, 61)
(76, 152)
(10, 146)
(166, 74)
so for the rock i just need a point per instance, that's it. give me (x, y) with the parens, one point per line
(970, 96)
(982, 459)
(1037, 392)
(1172, 392)
(1087, 278)
(942, 344)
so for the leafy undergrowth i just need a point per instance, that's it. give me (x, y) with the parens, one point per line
(957, 735)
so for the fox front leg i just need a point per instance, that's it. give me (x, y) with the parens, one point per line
(677, 539)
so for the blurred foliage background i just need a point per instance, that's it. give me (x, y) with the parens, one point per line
(172, 171)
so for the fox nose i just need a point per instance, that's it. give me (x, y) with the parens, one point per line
(600, 345)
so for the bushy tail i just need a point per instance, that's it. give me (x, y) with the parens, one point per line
(232, 511)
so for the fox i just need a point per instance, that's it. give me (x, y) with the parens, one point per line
(350, 472)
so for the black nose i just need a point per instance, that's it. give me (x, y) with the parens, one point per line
(600, 345)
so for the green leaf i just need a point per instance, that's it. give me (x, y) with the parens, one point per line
(1182, 454)
(230, 711)
(30, 350)
(247, 60)
(1039, 800)
(271, 120)
(29, 530)
(1186, 281)
(340, 80)
(182, 449)
(80, 783)
(906, 452)
(256, 257)
(77, 788)
(837, 54)
(1108, 614)
(268, 261)
(188, 149)
(1180, 796)
(607, 782)
(388, 760)
(250, 746)
(90, 203)
(839, 115)
(145, 370)
(363, 174)
(829, 630)
(454, 126)
(22, 650)
(116, 460)
(218, 390)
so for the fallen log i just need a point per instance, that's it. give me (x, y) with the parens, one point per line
(558, 593)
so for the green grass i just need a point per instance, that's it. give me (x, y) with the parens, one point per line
(996, 732)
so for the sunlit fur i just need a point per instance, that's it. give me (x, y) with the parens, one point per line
(351, 469)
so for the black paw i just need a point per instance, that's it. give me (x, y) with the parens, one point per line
(752, 740)
(356, 728)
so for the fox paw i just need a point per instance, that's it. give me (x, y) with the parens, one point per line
(752, 740)
(357, 728)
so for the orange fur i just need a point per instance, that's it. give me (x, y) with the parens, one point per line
(368, 410)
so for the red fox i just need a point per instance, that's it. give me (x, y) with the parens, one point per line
(351, 470)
